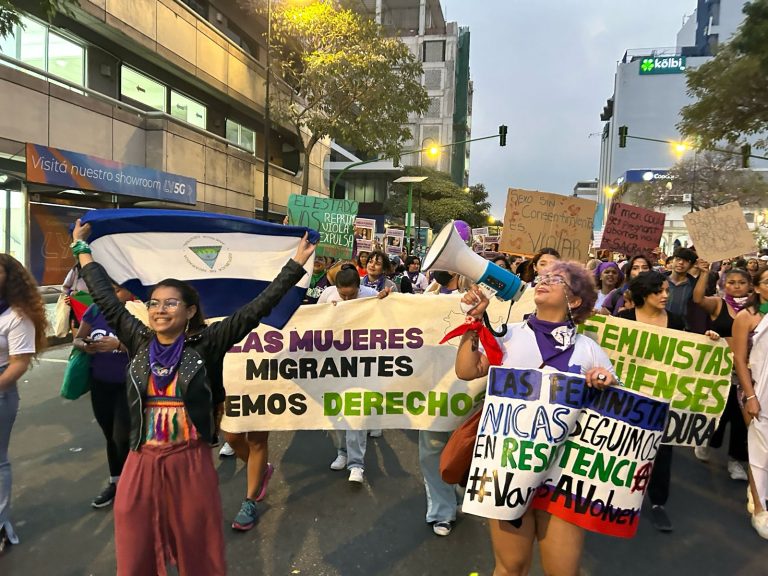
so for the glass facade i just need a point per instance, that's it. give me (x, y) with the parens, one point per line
(241, 135)
(141, 88)
(187, 109)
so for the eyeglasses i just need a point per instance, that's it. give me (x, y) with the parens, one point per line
(169, 304)
(554, 280)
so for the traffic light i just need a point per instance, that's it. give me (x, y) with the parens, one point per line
(502, 135)
(623, 132)
(746, 152)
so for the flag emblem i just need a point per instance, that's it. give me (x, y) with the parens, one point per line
(209, 252)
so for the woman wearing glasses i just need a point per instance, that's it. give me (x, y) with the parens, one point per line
(167, 507)
(564, 296)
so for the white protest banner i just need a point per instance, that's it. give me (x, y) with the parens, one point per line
(549, 441)
(359, 364)
(690, 371)
(720, 232)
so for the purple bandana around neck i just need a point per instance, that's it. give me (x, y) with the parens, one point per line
(164, 360)
(736, 303)
(444, 290)
(555, 341)
(378, 285)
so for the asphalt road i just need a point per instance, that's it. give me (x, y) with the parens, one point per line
(314, 524)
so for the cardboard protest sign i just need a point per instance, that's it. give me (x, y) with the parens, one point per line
(690, 371)
(632, 230)
(536, 220)
(334, 219)
(394, 241)
(549, 441)
(364, 232)
(720, 232)
(360, 364)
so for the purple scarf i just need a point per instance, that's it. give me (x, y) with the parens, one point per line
(555, 341)
(444, 290)
(378, 285)
(164, 361)
(736, 303)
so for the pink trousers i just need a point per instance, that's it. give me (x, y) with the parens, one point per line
(168, 510)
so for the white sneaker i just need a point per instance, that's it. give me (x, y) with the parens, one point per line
(441, 528)
(750, 501)
(736, 471)
(356, 475)
(702, 453)
(375, 433)
(226, 450)
(760, 524)
(340, 463)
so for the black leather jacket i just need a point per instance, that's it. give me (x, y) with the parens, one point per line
(199, 373)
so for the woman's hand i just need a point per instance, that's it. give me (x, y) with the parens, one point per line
(304, 251)
(752, 406)
(712, 335)
(599, 378)
(105, 344)
(81, 231)
(478, 302)
(384, 293)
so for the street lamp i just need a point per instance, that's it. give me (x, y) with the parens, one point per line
(680, 148)
(410, 180)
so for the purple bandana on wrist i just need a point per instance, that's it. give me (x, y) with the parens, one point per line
(164, 360)
(555, 341)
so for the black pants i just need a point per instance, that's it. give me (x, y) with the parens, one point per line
(658, 487)
(110, 407)
(737, 443)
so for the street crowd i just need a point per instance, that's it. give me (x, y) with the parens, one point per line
(157, 391)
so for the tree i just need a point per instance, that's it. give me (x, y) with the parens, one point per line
(441, 199)
(713, 179)
(9, 11)
(350, 82)
(730, 89)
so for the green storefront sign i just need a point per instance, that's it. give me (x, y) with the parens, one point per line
(663, 65)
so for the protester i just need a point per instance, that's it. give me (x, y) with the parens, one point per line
(593, 264)
(319, 280)
(564, 296)
(350, 444)
(502, 262)
(167, 503)
(413, 270)
(73, 283)
(753, 267)
(616, 300)
(650, 293)
(542, 260)
(362, 263)
(722, 312)
(377, 268)
(607, 278)
(398, 275)
(22, 338)
(109, 360)
(751, 394)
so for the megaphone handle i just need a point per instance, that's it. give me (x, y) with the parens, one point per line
(487, 292)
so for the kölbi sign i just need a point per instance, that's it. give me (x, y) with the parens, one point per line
(663, 65)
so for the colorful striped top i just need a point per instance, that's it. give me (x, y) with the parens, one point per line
(167, 421)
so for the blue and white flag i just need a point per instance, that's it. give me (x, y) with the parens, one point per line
(228, 259)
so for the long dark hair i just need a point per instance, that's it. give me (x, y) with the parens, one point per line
(753, 304)
(190, 297)
(22, 294)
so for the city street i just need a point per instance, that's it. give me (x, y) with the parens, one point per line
(314, 523)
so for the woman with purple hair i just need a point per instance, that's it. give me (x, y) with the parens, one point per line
(608, 277)
(564, 296)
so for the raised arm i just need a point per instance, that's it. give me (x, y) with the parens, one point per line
(709, 303)
(470, 362)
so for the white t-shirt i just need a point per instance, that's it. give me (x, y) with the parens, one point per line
(521, 350)
(17, 335)
(331, 294)
(601, 298)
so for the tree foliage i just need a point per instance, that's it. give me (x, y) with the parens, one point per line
(712, 178)
(350, 82)
(730, 90)
(441, 199)
(10, 17)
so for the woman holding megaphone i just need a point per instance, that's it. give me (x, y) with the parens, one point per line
(564, 296)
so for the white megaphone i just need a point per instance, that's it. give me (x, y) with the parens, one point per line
(449, 252)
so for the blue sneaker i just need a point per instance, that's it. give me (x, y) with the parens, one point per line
(246, 518)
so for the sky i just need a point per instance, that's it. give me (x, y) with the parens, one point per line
(545, 68)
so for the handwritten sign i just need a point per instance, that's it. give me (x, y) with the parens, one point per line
(549, 441)
(720, 232)
(536, 220)
(690, 371)
(334, 219)
(631, 230)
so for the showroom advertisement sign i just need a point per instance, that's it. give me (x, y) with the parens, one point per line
(46, 165)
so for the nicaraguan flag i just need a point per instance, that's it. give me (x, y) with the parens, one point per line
(228, 259)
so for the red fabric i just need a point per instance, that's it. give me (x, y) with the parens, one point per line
(492, 349)
(167, 509)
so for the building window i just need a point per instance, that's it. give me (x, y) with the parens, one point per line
(143, 89)
(241, 136)
(199, 6)
(434, 110)
(714, 14)
(433, 79)
(188, 110)
(66, 59)
(434, 51)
